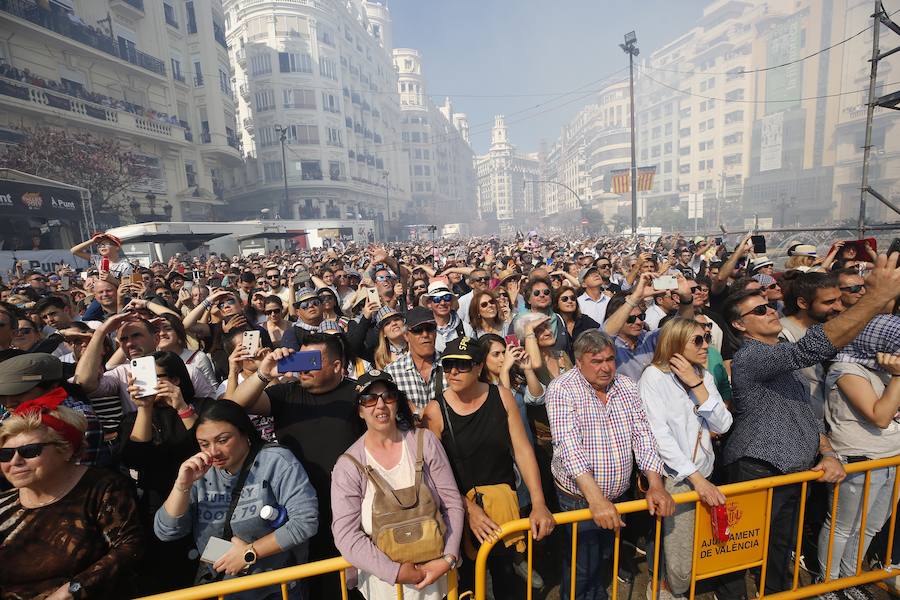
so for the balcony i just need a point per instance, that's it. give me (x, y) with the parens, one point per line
(128, 8)
(244, 90)
(73, 28)
(43, 102)
(226, 148)
(198, 80)
(219, 35)
(240, 55)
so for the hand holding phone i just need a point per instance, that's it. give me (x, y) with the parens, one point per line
(664, 283)
(372, 296)
(304, 360)
(144, 372)
(250, 342)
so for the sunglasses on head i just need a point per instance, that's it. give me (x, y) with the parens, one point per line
(444, 298)
(539, 293)
(486, 303)
(461, 366)
(424, 328)
(760, 310)
(699, 339)
(632, 318)
(304, 304)
(370, 400)
(26, 451)
(853, 289)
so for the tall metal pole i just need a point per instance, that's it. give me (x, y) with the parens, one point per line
(284, 201)
(870, 114)
(387, 202)
(631, 49)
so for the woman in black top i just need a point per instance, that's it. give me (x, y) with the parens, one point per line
(155, 440)
(565, 303)
(485, 433)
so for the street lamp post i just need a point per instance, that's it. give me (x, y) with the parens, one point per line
(581, 204)
(387, 201)
(283, 139)
(630, 48)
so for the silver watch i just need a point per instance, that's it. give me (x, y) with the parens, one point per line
(832, 454)
(452, 560)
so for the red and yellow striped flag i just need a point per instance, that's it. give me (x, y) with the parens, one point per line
(620, 180)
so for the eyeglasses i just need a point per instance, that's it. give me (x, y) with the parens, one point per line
(482, 279)
(461, 366)
(760, 310)
(772, 286)
(370, 400)
(326, 297)
(426, 328)
(487, 303)
(419, 288)
(304, 304)
(632, 318)
(567, 298)
(24, 330)
(444, 298)
(272, 276)
(707, 325)
(604, 266)
(274, 311)
(222, 304)
(26, 451)
(853, 289)
(383, 278)
(699, 339)
(539, 293)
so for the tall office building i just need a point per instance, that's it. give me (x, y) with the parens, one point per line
(435, 139)
(317, 96)
(153, 75)
(508, 197)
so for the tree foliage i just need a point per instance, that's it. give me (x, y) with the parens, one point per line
(102, 166)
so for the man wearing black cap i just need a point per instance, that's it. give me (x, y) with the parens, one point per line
(417, 372)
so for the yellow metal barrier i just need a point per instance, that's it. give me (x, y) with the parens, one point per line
(281, 577)
(766, 485)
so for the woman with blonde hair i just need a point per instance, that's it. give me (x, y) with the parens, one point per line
(67, 530)
(484, 315)
(391, 337)
(684, 407)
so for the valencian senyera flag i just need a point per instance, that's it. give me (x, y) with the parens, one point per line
(621, 179)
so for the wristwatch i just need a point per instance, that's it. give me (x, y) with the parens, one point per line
(452, 560)
(832, 454)
(250, 556)
(75, 590)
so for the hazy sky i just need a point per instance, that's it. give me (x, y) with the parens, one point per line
(492, 47)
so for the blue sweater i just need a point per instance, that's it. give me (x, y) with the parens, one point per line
(276, 478)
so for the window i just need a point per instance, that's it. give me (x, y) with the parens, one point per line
(265, 100)
(415, 136)
(427, 170)
(272, 170)
(191, 16)
(668, 129)
(667, 166)
(702, 126)
(736, 116)
(654, 152)
(334, 170)
(684, 132)
(260, 64)
(333, 136)
(290, 62)
(733, 159)
(657, 131)
(225, 81)
(667, 148)
(327, 68)
(303, 134)
(291, 25)
(734, 138)
(176, 70)
(310, 169)
(325, 36)
(190, 174)
(330, 103)
(169, 13)
(417, 170)
(299, 98)
(733, 95)
(684, 168)
(198, 72)
(667, 185)
(266, 136)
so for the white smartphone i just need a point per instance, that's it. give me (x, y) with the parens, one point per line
(215, 549)
(144, 371)
(665, 282)
(250, 342)
(372, 294)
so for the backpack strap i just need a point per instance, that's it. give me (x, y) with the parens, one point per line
(382, 485)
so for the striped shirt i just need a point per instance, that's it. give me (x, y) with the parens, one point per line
(601, 439)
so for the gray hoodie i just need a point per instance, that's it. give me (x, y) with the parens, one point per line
(276, 478)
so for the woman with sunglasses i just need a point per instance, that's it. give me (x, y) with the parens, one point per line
(330, 309)
(481, 429)
(233, 460)
(484, 315)
(153, 442)
(26, 335)
(538, 294)
(418, 287)
(173, 338)
(54, 498)
(392, 343)
(684, 408)
(389, 447)
(275, 323)
(565, 303)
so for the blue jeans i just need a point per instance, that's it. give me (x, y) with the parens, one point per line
(849, 513)
(593, 561)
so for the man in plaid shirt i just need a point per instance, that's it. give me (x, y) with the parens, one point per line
(418, 372)
(599, 428)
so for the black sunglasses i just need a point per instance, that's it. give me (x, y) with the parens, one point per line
(567, 298)
(487, 303)
(420, 329)
(26, 451)
(760, 310)
(304, 304)
(632, 318)
(853, 289)
(370, 400)
(461, 366)
(543, 292)
(699, 339)
(481, 279)
(274, 311)
(229, 302)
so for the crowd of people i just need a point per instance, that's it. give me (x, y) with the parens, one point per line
(209, 417)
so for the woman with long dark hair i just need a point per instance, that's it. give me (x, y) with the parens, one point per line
(484, 315)
(173, 338)
(565, 303)
(232, 460)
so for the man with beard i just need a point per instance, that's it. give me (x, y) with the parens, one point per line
(317, 419)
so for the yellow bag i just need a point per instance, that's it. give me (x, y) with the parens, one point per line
(500, 503)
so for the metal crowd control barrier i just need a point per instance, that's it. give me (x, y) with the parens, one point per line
(760, 491)
(281, 577)
(758, 494)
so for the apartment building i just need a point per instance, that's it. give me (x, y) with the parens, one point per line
(153, 75)
(508, 198)
(566, 172)
(318, 102)
(435, 140)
